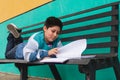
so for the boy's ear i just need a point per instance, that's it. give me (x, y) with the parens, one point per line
(44, 28)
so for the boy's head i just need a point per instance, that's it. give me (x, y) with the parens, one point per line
(52, 28)
(53, 21)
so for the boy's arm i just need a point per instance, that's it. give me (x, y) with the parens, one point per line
(31, 51)
(39, 54)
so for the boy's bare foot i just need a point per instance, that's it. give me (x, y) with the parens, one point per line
(13, 29)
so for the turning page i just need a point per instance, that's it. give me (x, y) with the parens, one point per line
(71, 50)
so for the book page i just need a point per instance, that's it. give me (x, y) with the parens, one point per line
(69, 51)
(54, 60)
(72, 50)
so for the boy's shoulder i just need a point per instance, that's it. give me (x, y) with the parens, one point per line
(38, 36)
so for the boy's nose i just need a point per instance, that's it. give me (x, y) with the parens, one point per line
(55, 34)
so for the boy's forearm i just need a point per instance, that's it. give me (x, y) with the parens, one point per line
(43, 54)
(39, 54)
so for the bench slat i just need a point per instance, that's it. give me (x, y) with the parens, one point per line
(103, 45)
(93, 26)
(90, 36)
(101, 15)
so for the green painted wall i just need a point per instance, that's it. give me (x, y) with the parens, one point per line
(56, 8)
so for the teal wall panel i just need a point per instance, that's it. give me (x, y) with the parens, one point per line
(56, 8)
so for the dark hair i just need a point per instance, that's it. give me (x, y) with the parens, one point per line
(53, 21)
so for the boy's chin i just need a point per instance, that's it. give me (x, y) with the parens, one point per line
(51, 40)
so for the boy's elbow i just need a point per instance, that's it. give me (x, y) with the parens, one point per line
(26, 59)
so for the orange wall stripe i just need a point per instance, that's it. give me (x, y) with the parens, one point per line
(11, 8)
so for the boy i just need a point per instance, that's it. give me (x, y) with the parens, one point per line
(40, 45)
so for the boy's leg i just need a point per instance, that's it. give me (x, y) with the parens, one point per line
(12, 41)
(11, 54)
(18, 40)
(10, 44)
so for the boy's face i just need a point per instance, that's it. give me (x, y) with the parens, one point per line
(51, 33)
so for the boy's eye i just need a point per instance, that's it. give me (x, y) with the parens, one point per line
(53, 31)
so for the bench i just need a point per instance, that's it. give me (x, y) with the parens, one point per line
(100, 27)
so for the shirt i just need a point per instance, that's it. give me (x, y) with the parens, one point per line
(36, 47)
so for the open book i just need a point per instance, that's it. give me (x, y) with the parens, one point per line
(69, 51)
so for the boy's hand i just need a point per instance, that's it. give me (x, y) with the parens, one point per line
(52, 51)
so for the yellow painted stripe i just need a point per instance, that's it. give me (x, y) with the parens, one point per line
(11, 8)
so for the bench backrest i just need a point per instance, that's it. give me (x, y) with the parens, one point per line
(99, 25)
